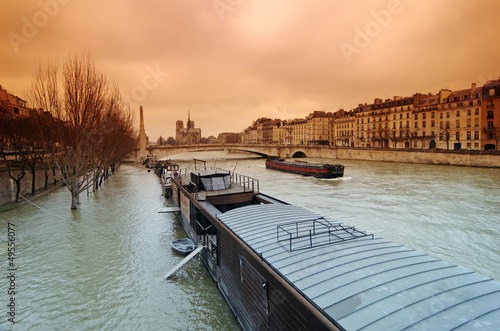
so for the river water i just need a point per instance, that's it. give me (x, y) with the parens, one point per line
(101, 267)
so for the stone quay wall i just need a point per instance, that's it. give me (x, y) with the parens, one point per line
(441, 157)
(8, 186)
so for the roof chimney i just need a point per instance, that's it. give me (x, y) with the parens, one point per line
(472, 88)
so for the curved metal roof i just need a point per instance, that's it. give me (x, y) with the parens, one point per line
(367, 283)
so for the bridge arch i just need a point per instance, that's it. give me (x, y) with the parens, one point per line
(299, 154)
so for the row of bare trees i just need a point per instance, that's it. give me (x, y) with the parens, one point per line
(85, 130)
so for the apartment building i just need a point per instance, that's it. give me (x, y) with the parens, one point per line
(11, 105)
(463, 119)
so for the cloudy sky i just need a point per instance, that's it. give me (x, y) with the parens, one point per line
(229, 62)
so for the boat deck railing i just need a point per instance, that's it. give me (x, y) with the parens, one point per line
(314, 233)
(247, 183)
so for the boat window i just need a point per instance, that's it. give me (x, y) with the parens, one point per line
(218, 183)
(227, 181)
(207, 184)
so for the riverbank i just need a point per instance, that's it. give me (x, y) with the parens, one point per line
(27, 199)
(8, 186)
(485, 159)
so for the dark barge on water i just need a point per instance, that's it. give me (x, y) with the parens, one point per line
(306, 168)
(282, 267)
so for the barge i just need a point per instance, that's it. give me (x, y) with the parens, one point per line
(283, 267)
(306, 168)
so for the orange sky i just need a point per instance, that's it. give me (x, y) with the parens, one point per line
(231, 61)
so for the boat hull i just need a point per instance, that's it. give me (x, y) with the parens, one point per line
(183, 246)
(318, 171)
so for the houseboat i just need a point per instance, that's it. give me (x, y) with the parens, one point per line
(306, 168)
(282, 267)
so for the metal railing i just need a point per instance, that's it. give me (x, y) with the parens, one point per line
(315, 233)
(248, 183)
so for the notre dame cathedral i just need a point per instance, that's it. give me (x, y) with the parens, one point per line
(189, 135)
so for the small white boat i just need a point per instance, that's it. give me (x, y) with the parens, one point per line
(183, 246)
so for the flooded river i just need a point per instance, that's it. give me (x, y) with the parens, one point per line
(101, 267)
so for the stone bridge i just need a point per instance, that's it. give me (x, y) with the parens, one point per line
(284, 151)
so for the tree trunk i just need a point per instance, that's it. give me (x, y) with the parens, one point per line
(33, 180)
(75, 193)
(46, 180)
(74, 200)
(18, 189)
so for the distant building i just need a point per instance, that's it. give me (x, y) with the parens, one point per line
(189, 135)
(467, 119)
(229, 138)
(11, 105)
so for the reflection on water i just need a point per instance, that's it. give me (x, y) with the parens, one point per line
(101, 267)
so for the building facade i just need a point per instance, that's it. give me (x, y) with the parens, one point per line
(188, 135)
(11, 105)
(467, 119)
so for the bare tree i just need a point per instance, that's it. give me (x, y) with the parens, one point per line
(446, 134)
(89, 124)
(13, 150)
(409, 135)
(493, 133)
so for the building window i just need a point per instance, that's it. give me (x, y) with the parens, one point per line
(458, 123)
(447, 114)
(416, 125)
(440, 136)
(457, 136)
(468, 145)
(416, 116)
(468, 135)
(468, 122)
(476, 145)
(423, 124)
(476, 122)
(476, 112)
(490, 124)
(476, 135)
(469, 112)
(458, 113)
(433, 114)
(441, 124)
(440, 115)
(433, 124)
(423, 116)
(489, 114)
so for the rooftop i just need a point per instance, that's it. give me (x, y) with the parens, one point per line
(364, 282)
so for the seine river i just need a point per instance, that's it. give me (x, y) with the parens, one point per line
(101, 267)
